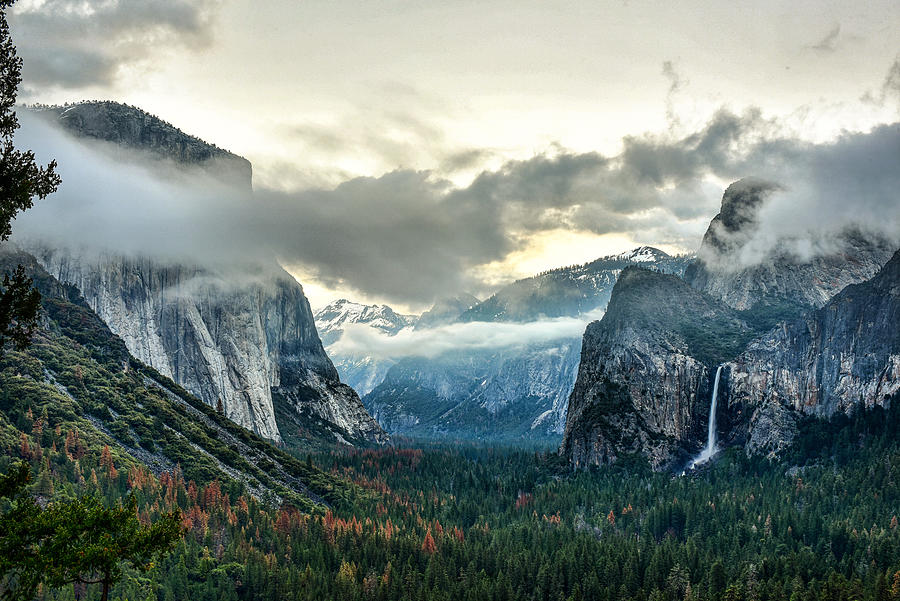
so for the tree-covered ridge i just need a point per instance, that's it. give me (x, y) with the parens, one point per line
(78, 378)
(569, 291)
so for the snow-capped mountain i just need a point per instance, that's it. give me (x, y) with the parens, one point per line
(361, 372)
(331, 319)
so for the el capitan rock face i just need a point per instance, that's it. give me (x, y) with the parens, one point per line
(227, 336)
(130, 127)
(220, 339)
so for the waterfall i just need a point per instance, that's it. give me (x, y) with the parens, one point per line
(710, 449)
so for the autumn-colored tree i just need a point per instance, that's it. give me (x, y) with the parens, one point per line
(428, 544)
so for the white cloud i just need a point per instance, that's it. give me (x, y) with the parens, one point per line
(363, 340)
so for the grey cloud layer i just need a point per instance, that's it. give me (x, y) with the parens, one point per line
(76, 43)
(409, 236)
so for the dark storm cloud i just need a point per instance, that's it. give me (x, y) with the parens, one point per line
(399, 236)
(76, 43)
(408, 236)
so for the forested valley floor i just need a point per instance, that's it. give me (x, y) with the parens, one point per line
(467, 522)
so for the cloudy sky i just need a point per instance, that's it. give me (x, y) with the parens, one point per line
(408, 149)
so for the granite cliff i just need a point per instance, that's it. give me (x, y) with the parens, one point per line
(130, 127)
(245, 342)
(781, 277)
(797, 336)
(644, 379)
(841, 357)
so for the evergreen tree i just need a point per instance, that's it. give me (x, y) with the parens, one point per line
(21, 181)
(20, 559)
(717, 581)
(78, 541)
(89, 543)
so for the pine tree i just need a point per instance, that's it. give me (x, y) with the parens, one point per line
(78, 541)
(89, 543)
(716, 581)
(21, 181)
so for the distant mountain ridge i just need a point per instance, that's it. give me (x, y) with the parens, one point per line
(360, 372)
(331, 319)
(513, 393)
(446, 310)
(568, 291)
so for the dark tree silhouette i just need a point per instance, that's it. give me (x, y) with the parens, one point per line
(21, 181)
(19, 536)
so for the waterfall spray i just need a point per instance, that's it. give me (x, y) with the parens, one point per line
(710, 449)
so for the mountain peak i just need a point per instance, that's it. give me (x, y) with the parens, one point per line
(742, 200)
(776, 275)
(332, 318)
(641, 254)
(134, 128)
